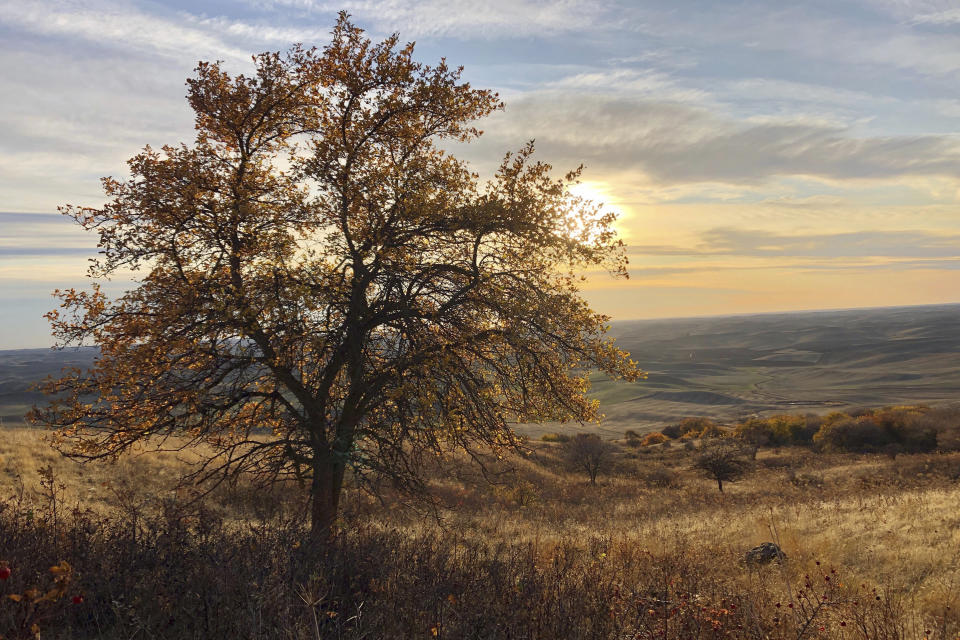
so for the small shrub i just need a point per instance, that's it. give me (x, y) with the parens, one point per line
(660, 477)
(778, 430)
(856, 435)
(712, 431)
(755, 431)
(673, 431)
(654, 438)
(630, 434)
(805, 479)
(555, 437)
(687, 425)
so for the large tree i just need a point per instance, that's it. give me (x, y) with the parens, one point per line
(321, 287)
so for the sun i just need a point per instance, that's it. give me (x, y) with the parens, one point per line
(596, 193)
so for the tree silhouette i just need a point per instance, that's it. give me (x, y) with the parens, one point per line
(587, 452)
(722, 460)
(321, 288)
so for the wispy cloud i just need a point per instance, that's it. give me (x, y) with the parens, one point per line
(673, 143)
(858, 244)
(495, 19)
(634, 83)
(15, 252)
(117, 24)
(948, 17)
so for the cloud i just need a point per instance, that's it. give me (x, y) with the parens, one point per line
(672, 143)
(633, 83)
(923, 245)
(935, 12)
(15, 252)
(831, 38)
(117, 25)
(495, 19)
(42, 234)
(948, 17)
(10, 218)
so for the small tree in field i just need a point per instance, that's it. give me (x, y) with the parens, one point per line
(321, 288)
(723, 461)
(587, 452)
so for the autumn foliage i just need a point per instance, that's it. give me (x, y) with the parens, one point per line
(322, 288)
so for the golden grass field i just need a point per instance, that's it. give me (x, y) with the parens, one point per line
(879, 523)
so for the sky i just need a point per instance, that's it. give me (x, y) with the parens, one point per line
(763, 156)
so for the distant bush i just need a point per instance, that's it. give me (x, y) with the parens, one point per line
(946, 423)
(673, 431)
(555, 437)
(712, 431)
(861, 412)
(778, 430)
(755, 431)
(891, 430)
(660, 477)
(853, 434)
(685, 426)
(654, 438)
(794, 429)
(910, 428)
(805, 479)
(630, 434)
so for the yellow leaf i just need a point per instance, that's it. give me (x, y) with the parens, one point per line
(16, 597)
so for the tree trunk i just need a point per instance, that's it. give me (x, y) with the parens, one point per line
(325, 496)
(720, 484)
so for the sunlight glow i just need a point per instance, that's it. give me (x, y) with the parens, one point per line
(601, 193)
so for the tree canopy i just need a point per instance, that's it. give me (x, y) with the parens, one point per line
(321, 286)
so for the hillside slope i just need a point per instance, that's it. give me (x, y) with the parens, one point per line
(722, 367)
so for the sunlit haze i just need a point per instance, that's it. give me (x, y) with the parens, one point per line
(762, 156)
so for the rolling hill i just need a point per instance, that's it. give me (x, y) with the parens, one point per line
(722, 367)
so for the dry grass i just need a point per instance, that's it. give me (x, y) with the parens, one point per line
(25, 456)
(652, 545)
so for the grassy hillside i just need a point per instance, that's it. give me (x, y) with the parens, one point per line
(731, 367)
(652, 551)
(20, 369)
